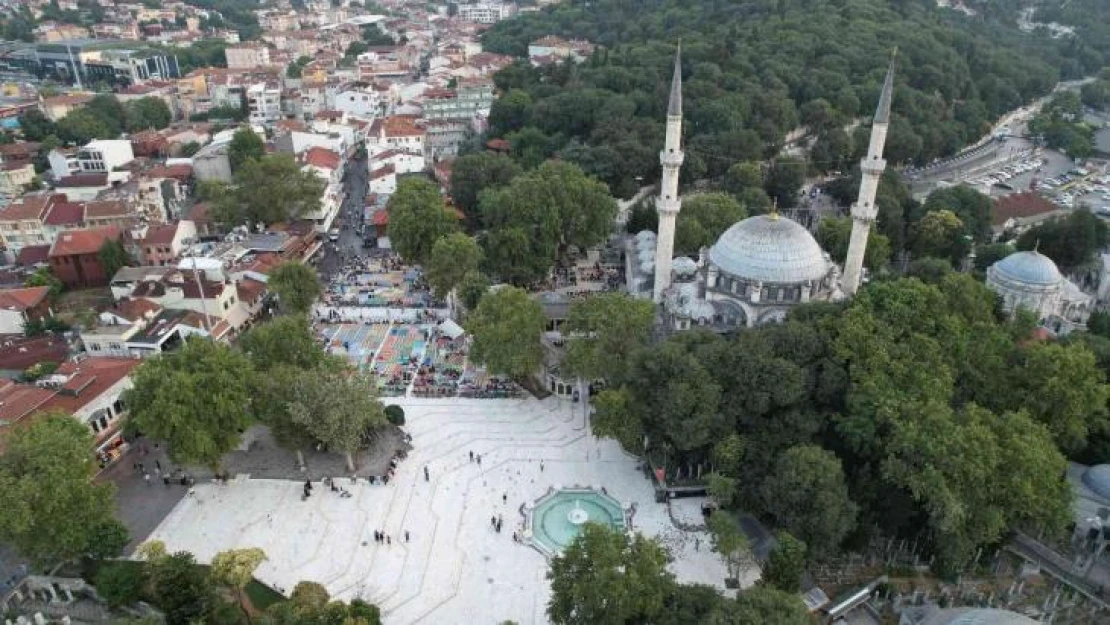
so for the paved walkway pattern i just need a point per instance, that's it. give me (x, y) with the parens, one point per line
(455, 568)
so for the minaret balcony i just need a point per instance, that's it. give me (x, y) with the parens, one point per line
(668, 158)
(873, 166)
(864, 213)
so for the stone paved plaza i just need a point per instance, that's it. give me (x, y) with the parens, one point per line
(456, 568)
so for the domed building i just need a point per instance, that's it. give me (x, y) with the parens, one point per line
(965, 616)
(755, 273)
(1030, 280)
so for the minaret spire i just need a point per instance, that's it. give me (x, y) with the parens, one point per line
(668, 203)
(674, 106)
(871, 168)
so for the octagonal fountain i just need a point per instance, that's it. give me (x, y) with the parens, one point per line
(556, 519)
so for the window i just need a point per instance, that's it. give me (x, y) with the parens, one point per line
(115, 346)
(94, 347)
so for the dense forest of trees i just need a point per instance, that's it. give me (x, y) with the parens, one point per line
(755, 70)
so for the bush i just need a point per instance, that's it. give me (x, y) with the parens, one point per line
(395, 414)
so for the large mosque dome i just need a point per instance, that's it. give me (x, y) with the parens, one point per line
(978, 616)
(1031, 268)
(769, 248)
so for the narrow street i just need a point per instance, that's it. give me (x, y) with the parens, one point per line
(350, 216)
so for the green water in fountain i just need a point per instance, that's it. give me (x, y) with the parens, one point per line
(558, 518)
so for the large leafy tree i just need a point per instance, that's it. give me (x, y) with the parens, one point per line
(196, 399)
(1069, 241)
(82, 126)
(474, 173)
(835, 233)
(511, 112)
(604, 330)
(606, 578)
(245, 146)
(418, 217)
(234, 569)
(295, 285)
(973, 209)
(703, 219)
(506, 326)
(309, 604)
(284, 340)
(807, 495)
(534, 219)
(52, 510)
(940, 234)
(148, 114)
(730, 542)
(451, 259)
(337, 408)
(762, 604)
(267, 190)
(113, 256)
(181, 589)
(785, 564)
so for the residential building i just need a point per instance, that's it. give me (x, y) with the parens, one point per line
(58, 107)
(63, 162)
(74, 259)
(85, 186)
(161, 245)
(328, 166)
(264, 103)
(18, 306)
(21, 222)
(486, 12)
(15, 176)
(552, 49)
(247, 56)
(359, 100)
(398, 131)
(383, 180)
(104, 155)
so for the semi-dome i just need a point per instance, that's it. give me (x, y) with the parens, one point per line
(1029, 268)
(1097, 478)
(769, 248)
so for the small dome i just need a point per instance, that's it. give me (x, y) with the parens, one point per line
(1097, 478)
(646, 255)
(770, 248)
(684, 266)
(1028, 268)
(683, 301)
(645, 235)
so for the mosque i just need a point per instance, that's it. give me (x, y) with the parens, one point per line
(762, 266)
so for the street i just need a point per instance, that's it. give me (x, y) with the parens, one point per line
(350, 216)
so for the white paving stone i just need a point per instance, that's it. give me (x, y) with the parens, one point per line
(456, 569)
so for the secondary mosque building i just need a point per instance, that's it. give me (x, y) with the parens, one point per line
(762, 266)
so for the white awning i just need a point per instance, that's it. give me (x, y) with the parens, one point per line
(451, 329)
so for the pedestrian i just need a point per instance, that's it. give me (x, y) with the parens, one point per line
(146, 478)
(158, 465)
(388, 541)
(141, 470)
(697, 544)
(135, 465)
(504, 497)
(406, 536)
(493, 521)
(541, 466)
(472, 455)
(426, 476)
(166, 481)
(479, 459)
(498, 526)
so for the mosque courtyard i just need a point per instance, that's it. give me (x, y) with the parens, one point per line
(454, 567)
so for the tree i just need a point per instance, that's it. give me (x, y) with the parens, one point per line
(337, 408)
(1069, 241)
(785, 180)
(245, 145)
(395, 415)
(113, 256)
(182, 590)
(808, 497)
(120, 583)
(196, 399)
(614, 418)
(285, 340)
(539, 215)
(147, 114)
(82, 126)
(506, 328)
(35, 125)
(785, 564)
(835, 233)
(604, 330)
(52, 510)
(1062, 387)
(452, 258)
(474, 173)
(730, 542)
(973, 209)
(418, 218)
(939, 234)
(309, 604)
(267, 190)
(762, 604)
(606, 578)
(473, 287)
(44, 277)
(703, 219)
(235, 568)
(510, 112)
(742, 176)
(296, 287)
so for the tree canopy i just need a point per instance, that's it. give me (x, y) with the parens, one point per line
(604, 331)
(703, 219)
(295, 285)
(52, 510)
(267, 190)
(196, 399)
(245, 145)
(452, 258)
(506, 327)
(418, 217)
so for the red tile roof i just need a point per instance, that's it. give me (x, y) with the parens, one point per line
(382, 172)
(1020, 205)
(87, 241)
(134, 309)
(28, 207)
(250, 290)
(100, 209)
(401, 126)
(322, 158)
(180, 172)
(83, 180)
(65, 214)
(160, 235)
(89, 379)
(33, 255)
(380, 218)
(23, 299)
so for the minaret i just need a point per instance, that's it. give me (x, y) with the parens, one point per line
(871, 167)
(668, 204)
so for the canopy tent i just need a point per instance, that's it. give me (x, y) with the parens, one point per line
(451, 329)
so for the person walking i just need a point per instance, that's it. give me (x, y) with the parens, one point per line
(406, 536)
(504, 497)
(472, 455)
(426, 475)
(146, 478)
(478, 458)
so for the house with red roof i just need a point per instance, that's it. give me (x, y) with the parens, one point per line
(21, 222)
(18, 306)
(74, 256)
(1019, 211)
(161, 244)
